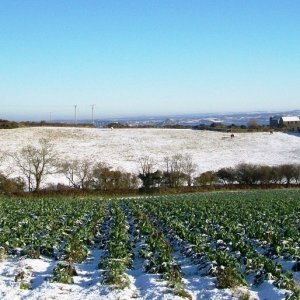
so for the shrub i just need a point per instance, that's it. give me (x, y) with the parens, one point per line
(206, 178)
(247, 174)
(11, 185)
(227, 175)
(289, 173)
(104, 178)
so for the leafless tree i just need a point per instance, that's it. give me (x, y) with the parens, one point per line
(34, 163)
(145, 165)
(147, 174)
(79, 173)
(189, 168)
(179, 170)
(101, 176)
(174, 175)
(252, 124)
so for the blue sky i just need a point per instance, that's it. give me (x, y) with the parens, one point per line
(147, 57)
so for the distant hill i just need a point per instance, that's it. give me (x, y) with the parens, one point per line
(262, 118)
(167, 121)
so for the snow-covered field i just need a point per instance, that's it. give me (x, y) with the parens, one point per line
(121, 148)
(87, 285)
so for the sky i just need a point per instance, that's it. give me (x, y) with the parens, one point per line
(147, 57)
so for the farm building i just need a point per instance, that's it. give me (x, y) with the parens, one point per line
(290, 123)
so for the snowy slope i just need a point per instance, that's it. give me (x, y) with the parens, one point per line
(121, 148)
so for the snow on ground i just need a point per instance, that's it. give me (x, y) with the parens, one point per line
(87, 285)
(121, 148)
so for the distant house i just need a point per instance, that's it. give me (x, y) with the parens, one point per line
(290, 123)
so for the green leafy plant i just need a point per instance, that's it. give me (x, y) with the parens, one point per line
(64, 273)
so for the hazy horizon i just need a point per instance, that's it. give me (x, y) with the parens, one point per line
(157, 116)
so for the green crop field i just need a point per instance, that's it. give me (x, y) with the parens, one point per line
(239, 239)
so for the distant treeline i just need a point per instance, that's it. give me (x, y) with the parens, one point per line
(252, 126)
(241, 175)
(5, 124)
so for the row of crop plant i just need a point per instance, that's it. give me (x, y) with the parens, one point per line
(220, 244)
(237, 238)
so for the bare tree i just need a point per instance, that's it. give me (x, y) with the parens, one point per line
(148, 176)
(176, 166)
(252, 124)
(25, 168)
(145, 165)
(100, 176)
(188, 168)
(79, 173)
(35, 163)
